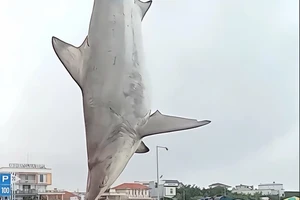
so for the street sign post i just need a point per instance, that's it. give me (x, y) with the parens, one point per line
(5, 185)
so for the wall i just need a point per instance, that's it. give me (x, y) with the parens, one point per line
(163, 191)
(271, 192)
(49, 178)
(271, 189)
(31, 177)
(243, 189)
(246, 191)
(170, 191)
(135, 193)
(271, 186)
(70, 196)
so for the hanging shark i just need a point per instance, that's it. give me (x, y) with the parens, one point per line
(109, 68)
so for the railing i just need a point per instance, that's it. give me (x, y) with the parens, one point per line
(26, 181)
(26, 191)
(54, 191)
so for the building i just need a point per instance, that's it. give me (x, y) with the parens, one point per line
(32, 179)
(244, 189)
(145, 183)
(52, 195)
(271, 189)
(170, 188)
(174, 183)
(152, 188)
(79, 194)
(134, 191)
(214, 185)
(71, 196)
(167, 188)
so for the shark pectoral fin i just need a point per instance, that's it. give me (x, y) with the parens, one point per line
(159, 123)
(70, 56)
(142, 148)
(144, 6)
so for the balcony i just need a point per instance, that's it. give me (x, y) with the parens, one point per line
(26, 182)
(28, 192)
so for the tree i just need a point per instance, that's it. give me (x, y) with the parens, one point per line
(193, 192)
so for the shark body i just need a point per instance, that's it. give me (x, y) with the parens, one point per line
(109, 68)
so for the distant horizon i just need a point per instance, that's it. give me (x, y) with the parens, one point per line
(206, 187)
(118, 183)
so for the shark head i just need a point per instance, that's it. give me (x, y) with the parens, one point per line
(97, 182)
(108, 159)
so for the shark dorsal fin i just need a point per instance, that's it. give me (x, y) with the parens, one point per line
(71, 57)
(159, 123)
(144, 6)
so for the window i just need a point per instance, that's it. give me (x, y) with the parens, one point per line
(171, 191)
(31, 177)
(26, 187)
(41, 178)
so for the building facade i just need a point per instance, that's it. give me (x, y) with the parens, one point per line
(167, 188)
(214, 185)
(32, 179)
(271, 189)
(125, 191)
(170, 188)
(244, 189)
(263, 189)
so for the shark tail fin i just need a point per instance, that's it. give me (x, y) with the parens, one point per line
(144, 6)
(159, 123)
(70, 56)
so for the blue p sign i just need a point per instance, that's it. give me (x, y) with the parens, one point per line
(5, 181)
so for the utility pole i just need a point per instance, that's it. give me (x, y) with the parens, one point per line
(157, 172)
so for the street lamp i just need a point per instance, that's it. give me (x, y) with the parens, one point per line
(157, 172)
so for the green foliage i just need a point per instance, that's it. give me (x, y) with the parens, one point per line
(193, 192)
(289, 194)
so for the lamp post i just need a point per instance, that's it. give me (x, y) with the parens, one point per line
(157, 171)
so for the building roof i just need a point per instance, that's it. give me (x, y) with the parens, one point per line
(125, 186)
(248, 186)
(270, 184)
(171, 181)
(244, 185)
(219, 184)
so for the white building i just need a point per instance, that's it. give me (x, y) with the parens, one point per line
(167, 188)
(33, 179)
(271, 189)
(244, 189)
(263, 189)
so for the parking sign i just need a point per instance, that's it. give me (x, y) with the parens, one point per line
(5, 181)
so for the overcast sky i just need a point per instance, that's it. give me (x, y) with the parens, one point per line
(233, 62)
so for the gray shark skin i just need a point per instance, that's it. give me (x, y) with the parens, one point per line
(109, 68)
